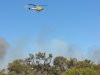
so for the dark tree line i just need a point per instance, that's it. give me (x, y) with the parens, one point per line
(42, 64)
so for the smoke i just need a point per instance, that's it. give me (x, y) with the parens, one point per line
(3, 48)
(60, 47)
(74, 51)
(19, 47)
(94, 54)
(57, 47)
(16, 50)
(43, 38)
(46, 43)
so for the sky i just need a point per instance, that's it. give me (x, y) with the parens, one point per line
(65, 27)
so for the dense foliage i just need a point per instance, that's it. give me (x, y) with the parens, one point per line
(40, 64)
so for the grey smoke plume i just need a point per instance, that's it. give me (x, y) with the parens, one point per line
(43, 38)
(61, 47)
(19, 47)
(16, 50)
(3, 47)
(66, 49)
(94, 54)
(74, 51)
(46, 42)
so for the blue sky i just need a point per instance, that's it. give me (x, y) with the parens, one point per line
(62, 21)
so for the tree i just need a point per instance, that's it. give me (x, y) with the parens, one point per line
(71, 62)
(60, 64)
(84, 64)
(43, 62)
(19, 67)
(2, 72)
(75, 71)
(30, 59)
